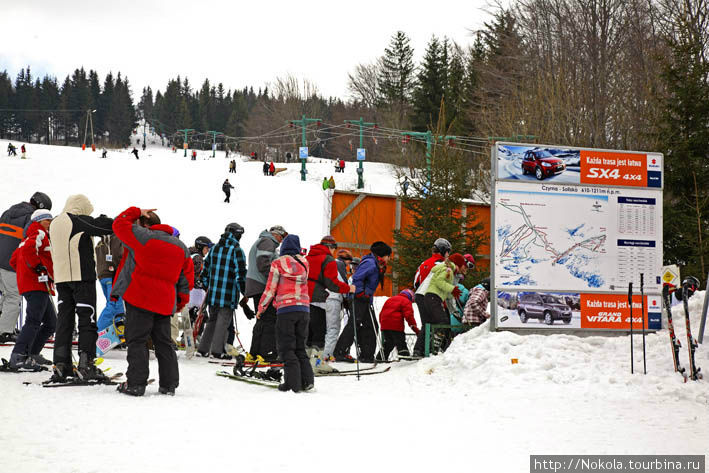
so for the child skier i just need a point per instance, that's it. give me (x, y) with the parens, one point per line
(391, 319)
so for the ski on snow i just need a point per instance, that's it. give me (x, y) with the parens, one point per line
(674, 342)
(694, 371)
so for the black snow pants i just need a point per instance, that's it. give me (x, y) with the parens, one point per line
(292, 329)
(76, 298)
(263, 339)
(141, 324)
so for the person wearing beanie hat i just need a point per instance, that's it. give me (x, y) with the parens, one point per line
(368, 276)
(12, 226)
(323, 278)
(391, 319)
(35, 273)
(287, 289)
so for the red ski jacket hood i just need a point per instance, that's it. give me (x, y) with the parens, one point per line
(33, 251)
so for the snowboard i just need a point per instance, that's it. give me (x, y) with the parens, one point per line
(111, 336)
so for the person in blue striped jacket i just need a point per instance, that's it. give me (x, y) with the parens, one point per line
(224, 278)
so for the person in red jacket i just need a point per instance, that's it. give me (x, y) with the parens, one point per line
(271, 169)
(32, 261)
(155, 278)
(391, 320)
(323, 276)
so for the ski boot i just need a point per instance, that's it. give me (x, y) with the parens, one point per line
(41, 360)
(22, 362)
(437, 341)
(63, 372)
(252, 360)
(168, 390)
(125, 388)
(88, 371)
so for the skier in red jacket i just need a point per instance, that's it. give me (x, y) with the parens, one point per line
(155, 279)
(32, 261)
(391, 319)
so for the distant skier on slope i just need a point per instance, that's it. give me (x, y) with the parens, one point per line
(135, 152)
(226, 188)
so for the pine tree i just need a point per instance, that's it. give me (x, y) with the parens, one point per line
(396, 75)
(430, 86)
(434, 200)
(6, 101)
(683, 132)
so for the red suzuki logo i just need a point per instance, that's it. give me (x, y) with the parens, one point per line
(654, 161)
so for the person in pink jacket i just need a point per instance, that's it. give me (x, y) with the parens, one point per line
(287, 287)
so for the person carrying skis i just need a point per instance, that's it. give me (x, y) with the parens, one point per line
(262, 253)
(226, 188)
(475, 311)
(75, 277)
(369, 275)
(224, 277)
(109, 253)
(154, 279)
(13, 221)
(287, 289)
(391, 319)
(441, 249)
(33, 262)
(271, 169)
(334, 305)
(323, 276)
(135, 152)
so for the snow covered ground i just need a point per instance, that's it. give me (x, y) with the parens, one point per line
(566, 395)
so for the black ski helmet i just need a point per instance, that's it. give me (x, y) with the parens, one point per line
(202, 241)
(235, 229)
(690, 284)
(41, 201)
(442, 246)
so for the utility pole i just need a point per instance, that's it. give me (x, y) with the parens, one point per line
(303, 123)
(430, 139)
(360, 171)
(214, 140)
(184, 145)
(89, 119)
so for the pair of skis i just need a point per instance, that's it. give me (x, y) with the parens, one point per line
(694, 371)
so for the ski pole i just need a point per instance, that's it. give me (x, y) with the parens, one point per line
(642, 302)
(630, 303)
(377, 333)
(354, 325)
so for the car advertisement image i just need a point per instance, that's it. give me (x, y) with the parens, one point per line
(534, 163)
(576, 310)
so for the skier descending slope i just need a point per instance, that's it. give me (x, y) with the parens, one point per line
(287, 287)
(155, 280)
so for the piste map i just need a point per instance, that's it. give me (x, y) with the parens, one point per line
(548, 241)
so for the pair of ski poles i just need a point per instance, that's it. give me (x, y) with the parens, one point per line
(630, 303)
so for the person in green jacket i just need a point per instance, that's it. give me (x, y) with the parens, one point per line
(325, 184)
(441, 287)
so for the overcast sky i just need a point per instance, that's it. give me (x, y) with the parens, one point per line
(236, 43)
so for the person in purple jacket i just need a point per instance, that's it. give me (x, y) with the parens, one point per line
(369, 275)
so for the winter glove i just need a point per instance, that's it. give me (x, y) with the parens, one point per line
(182, 300)
(456, 292)
(247, 310)
(40, 269)
(416, 330)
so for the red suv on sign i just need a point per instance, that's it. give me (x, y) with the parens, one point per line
(542, 164)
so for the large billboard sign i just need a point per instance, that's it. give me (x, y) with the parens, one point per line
(572, 228)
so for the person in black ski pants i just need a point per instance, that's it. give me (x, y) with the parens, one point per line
(227, 187)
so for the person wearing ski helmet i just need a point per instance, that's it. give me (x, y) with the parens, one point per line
(198, 252)
(13, 223)
(439, 252)
(262, 253)
(391, 319)
(224, 278)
